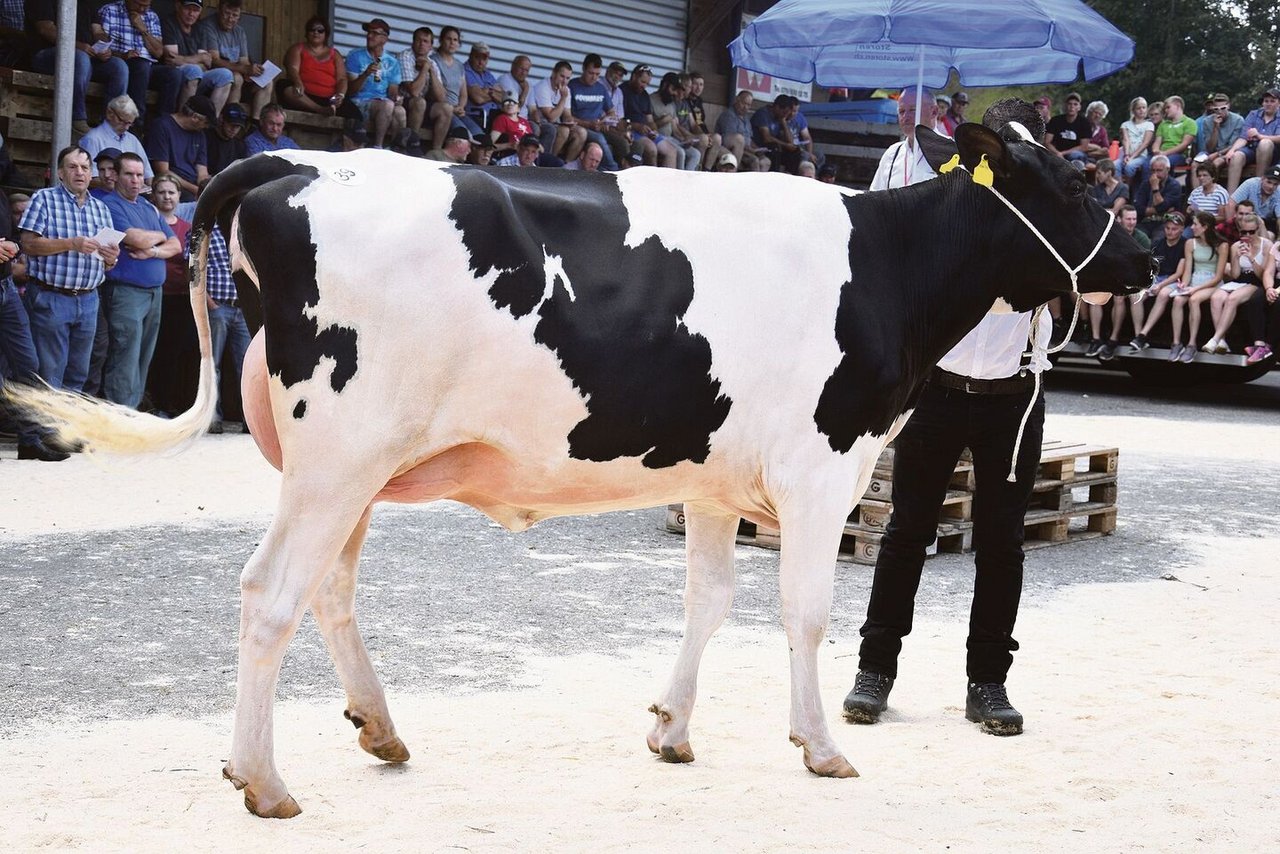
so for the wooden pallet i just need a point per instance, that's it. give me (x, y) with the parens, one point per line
(874, 515)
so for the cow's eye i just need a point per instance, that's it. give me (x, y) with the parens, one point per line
(1076, 189)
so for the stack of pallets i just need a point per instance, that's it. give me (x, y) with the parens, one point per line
(1074, 498)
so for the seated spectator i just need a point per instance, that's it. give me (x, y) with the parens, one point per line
(698, 118)
(420, 82)
(1156, 196)
(42, 36)
(1230, 230)
(120, 115)
(1044, 106)
(453, 79)
(1208, 196)
(527, 153)
(269, 135)
(228, 46)
(1256, 144)
(666, 115)
(1170, 255)
(171, 380)
(1099, 144)
(1136, 135)
(799, 127)
(734, 128)
(551, 106)
(457, 145)
(807, 170)
(1216, 132)
(1106, 349)
(1110, 192)
(317, 75)
(1245, 268)
(827, 175)
(515, 83)
(186, 68)
(1262, 314)
(176, 144)
(510, 125)
(225, 141)
(104, 182)
(1174, 135)
(483, 92)
(588, 160)
(134, 33)
(617, 130)
(727, 163)
(481, 152)
(772, 131)
(590, 102)
(374, 77)
(638, 111)
(1068, 133)
(1206, 263)
(1262, 193)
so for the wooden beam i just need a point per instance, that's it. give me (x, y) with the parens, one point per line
(709, 20)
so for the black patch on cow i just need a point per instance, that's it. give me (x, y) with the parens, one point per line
(277, 238)
(300, 410)
(250, 301)
(620, 338)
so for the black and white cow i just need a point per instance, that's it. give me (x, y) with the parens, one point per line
(537, 343)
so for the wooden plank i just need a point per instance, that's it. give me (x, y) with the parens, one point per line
(860, 151)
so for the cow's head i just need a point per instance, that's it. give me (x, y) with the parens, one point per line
(1054, 199)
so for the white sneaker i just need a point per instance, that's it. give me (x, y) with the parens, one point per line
(1222, 348)
(1210, 346)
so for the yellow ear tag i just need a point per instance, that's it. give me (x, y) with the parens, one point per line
(949, 165)
(982, 173)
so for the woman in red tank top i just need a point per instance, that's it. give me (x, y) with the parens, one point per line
(317, 75)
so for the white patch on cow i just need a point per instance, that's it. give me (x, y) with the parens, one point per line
(1022, 131)
(1001, 307)
(553, 268)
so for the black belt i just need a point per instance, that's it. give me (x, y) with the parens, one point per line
(70, 292)
(234, 303)
(1016, 384)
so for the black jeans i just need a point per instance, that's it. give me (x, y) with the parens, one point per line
(925, 453)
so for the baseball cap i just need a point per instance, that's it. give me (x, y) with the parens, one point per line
(827, 169)
(529, 139)
(459, 132)
(617, 66)
(202, 106)
(642, 69)
(199, 3)
(235, 114)
(107, 154)
(1273, 173)
(960, 97)
(1271, 91)
(509, 100)
(727, 159)
(479, 47)
(1072, 96)
(1043, 100)
(377, 24)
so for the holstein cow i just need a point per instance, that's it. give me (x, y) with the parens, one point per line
(538, 343)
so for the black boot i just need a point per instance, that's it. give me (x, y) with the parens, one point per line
(988, 704)
(37, 450)
(869, 697)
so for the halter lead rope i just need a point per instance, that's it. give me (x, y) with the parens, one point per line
(1037, 352)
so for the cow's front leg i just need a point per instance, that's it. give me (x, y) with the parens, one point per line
(334, 610)
(708, 593)
(810, 542)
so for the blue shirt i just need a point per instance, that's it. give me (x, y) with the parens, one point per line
(1254, 120)
(217, 271)
(1229, 132)
(257, 142)
(183, 150)
(589, 102)
(1251, 190)
(103, 136)
(486, 80)
(147, 273)
(55, 213)
(360, 59)
(764, 118)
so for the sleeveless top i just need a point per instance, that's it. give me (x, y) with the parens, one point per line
(318, 78)
(1203, 259)
(1256, 263)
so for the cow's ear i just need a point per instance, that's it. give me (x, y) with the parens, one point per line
(938, 149)
(975, 140)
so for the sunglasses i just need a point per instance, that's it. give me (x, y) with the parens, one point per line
(1250, 231)
(317, 30)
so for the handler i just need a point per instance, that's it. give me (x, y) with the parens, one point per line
(975, 398)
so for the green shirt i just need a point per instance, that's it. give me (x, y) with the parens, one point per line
(1169, 134)
(1141, 236)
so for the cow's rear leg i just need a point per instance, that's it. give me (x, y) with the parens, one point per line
(708, 593)
(334, 610)
(810, 543)
(313, 522)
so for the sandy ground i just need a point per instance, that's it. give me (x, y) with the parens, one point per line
(1151, 712)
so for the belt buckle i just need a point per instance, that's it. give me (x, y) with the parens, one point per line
(967, 382)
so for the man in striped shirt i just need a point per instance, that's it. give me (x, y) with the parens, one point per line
(66, 265)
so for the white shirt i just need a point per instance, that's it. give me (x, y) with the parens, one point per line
(542, 95)
(993, 349)
(511, 86)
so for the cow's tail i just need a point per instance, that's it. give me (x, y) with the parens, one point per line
(101, 426)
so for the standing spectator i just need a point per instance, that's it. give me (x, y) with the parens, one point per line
(1244, 278)
(225, 142)
(1208, 196)
(41, 18)
(1135, 141)
(483, 92)
(457, 145)
(510, 126)
(638, 111)
(317, 75)
(187, 68)
(1262, 193)
(515, 83)
(954, 115)
(588, 160)
(133, 310)
(903, 163)
(590, 102)
(113, 132)
(1216, 132)
(228, 47)
(453, 79)
(1068, 133)
(734, 128)
(134, 32)
(171, 379)
(1175, 134)
(375, 79)
(1110, 192)
(1129, 222)
(66, 266)
(176, 144)
(1156, 196)
(551, 106)
(1170, 255)
(420, 82)
(269, 135)
(1257, 143)
(105, 183)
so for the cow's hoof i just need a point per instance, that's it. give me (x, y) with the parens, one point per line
(681, 752)
(287, 808)
(391, 750)
(677, 752)
(835, 766)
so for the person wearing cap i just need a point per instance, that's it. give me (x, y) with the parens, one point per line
(551, 107)
(269, 135)
(509, 123)
(903, 163)
(1044, 106)
(590, 103)
(1067, 134)
(419, 81)
(1256, 144)
(827, 174)
(527, 153)
(65, 265)
(457, 145)
(187, 68)
(944, 104)
(588, 160)
(375, 79)
(483, 92)
(317, 75)
(113, 132)
(134, 287)
(656, 149)
(1261, 193)
(225, 140)
(727, 162)
(955, 112)
(104, 184)
(228, 46)
(176, 143)
(1170, 254)
(1158, 194)
(1216, 132)
(134, 33)
(453, 79)
(481, 152)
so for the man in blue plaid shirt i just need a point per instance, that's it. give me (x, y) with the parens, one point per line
(65, 265)
(134, 32)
